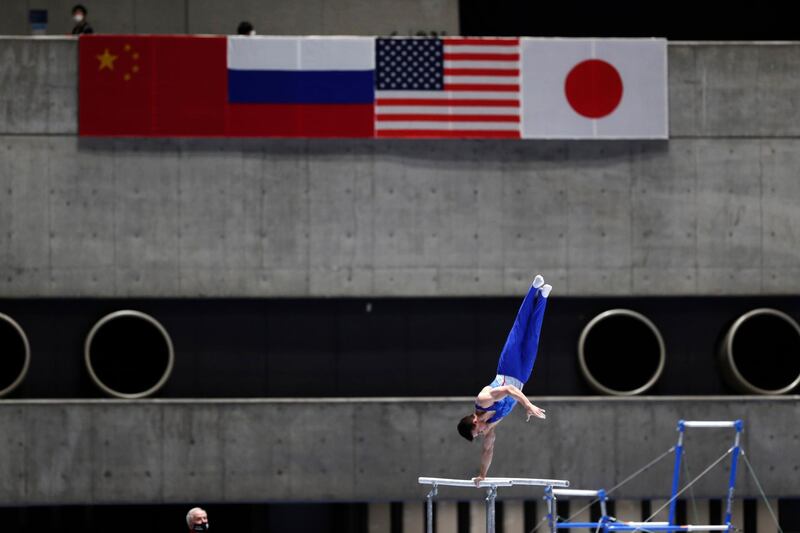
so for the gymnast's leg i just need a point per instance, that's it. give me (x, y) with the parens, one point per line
(522, 344)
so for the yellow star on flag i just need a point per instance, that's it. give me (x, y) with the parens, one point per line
(106, 60)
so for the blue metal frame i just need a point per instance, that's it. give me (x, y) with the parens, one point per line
(552, 520)
(555, 525)
(676, 472)
(609, 524)
(734, 463)
(738, 426)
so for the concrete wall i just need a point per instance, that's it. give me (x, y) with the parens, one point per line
(270, 17)
(712, 211)
(371, 450)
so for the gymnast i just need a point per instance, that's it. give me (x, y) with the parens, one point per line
(514, 369)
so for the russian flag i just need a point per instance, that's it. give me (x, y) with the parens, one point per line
(301, 86)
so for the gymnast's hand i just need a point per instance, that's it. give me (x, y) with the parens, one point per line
(534, 411)
(477, 480)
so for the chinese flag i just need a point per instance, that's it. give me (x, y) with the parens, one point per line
(152, 86)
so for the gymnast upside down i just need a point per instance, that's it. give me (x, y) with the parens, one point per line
(514, 369)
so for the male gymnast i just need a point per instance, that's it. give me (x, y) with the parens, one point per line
(514, 369)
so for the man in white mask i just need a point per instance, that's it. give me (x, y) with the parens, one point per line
(79, 18)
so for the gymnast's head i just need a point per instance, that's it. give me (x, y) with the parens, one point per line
(471, 426)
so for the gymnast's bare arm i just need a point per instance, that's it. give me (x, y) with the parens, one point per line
(486, 455)
(490, 395)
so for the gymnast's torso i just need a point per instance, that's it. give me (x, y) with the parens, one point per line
(500, 408)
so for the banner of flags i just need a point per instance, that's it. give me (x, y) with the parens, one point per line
(372, 87)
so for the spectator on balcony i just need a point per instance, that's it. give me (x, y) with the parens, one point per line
(245, 28)
(79, 17)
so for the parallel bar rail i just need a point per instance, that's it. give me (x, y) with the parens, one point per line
(490, 484)
(600, 495)
(494, 481)
(447, 482)
(575, 492)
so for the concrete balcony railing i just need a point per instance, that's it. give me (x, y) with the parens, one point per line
(162, 451)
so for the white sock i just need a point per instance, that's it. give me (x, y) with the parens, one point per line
(538, 281)
(546, 290)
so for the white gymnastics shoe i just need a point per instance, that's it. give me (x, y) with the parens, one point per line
(538, 281)
(546, 290)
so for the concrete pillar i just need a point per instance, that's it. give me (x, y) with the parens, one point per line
(413, 517)
(477, 516)
(628, 510)
(764, 521)
(584, 515)
(737, 514)
(513, 517)
(446, 517)
(379, 518)
(663, 514)
(697, 512)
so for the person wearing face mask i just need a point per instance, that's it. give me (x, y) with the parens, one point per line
(79, 18)
(245, 28)
(197, 520)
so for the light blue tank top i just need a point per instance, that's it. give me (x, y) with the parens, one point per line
(502, 407)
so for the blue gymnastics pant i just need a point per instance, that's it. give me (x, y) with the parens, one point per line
(519, 352)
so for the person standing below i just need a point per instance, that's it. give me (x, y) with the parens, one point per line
(197, 520)
(79, 18)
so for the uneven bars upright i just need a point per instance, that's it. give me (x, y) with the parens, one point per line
(683, 425)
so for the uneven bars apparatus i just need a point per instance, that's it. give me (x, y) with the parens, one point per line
(550, 497)
(607, 523)
(736, 425)
(610, 524)
(490, 484)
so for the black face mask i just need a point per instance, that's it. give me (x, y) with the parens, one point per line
(200, 528)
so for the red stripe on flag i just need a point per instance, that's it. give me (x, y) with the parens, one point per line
(480, 87)
(301, 120)
(446, 102)
(448, 134)
(481, 72)
(191, 86)
(480, 57)
(448, 118)
(480, 42)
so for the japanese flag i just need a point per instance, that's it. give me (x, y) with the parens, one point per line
(594, 89)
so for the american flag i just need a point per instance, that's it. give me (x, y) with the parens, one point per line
(450, 87)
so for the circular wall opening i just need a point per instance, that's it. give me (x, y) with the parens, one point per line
(760, 353)
(15, 354)
(621, 352)
(129, 354)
